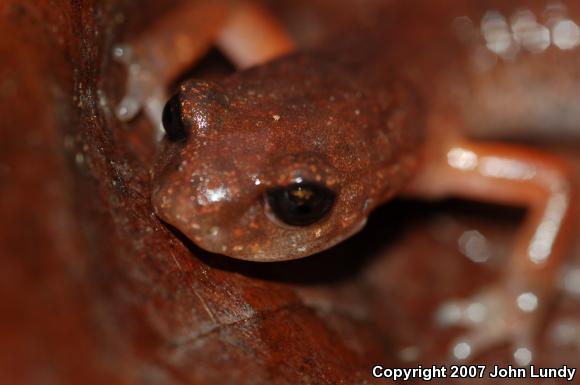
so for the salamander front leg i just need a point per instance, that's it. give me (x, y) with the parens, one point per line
(252, 36)
(512, 311)
(245, 32)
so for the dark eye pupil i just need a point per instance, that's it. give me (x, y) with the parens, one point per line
(300, 204)
(171, 119)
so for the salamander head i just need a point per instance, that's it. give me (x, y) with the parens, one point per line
(273, 163)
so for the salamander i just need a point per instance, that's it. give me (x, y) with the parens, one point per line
(288, 156)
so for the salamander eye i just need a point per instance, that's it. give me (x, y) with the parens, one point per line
(171, 119)
(300, 204)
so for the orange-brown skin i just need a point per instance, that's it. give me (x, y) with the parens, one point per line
(381, 112)
(243, 30)
(274, 125)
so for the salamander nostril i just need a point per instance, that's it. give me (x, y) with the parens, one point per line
(300, 204)
(171, 119)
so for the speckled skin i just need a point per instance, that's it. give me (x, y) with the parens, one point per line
(271, 126)
(362, 115)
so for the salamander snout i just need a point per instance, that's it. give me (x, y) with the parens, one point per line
(294, 208)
